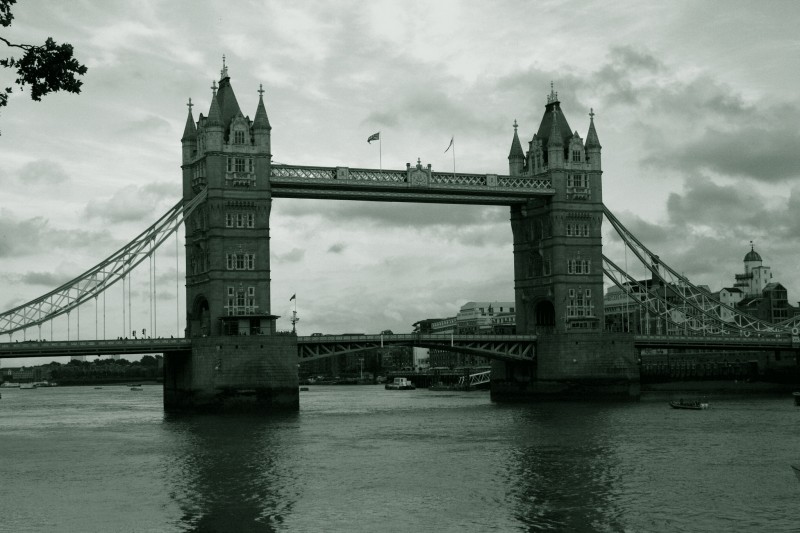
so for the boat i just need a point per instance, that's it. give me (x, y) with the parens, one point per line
(400, 384)
(796, 398)
(796, 471)
(694, 404)
(136, 388)
(27, 386)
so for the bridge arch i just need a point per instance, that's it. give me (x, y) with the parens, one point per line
(544, 313)
(199, 318)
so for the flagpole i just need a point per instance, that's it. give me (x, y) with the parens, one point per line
(380, 153)
(454, 158)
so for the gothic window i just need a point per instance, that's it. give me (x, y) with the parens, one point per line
(251, 220)
(585, 228)
(228, 220)
(576, 156)
(238, 137)
(239, 165)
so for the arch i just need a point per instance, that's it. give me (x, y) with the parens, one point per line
(200, 317)
(544, 313)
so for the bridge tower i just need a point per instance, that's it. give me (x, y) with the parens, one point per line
(237, 358)
(558, 266)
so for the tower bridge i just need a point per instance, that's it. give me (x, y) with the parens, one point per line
(553, 190)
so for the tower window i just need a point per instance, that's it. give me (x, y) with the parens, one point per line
(576, 156)
(238, 137)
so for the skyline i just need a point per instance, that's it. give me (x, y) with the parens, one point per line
(698, 124)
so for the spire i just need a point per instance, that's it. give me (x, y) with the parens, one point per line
(516, 147)
(224, 72)
(553, 96)
(261, 121)
(591, 138)
(190, 131)
(214, 115)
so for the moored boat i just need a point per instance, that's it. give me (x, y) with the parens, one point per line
(136, 388)
(400, 384)
(695, 405)
(27, 386)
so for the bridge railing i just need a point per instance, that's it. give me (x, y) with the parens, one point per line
(446, 180)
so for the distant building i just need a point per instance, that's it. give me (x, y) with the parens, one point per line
(473, 318)
(753, 293)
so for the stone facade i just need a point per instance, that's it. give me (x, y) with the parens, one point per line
(558, 271)
(237, 360)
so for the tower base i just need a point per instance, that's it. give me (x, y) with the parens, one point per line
(583, 366)
(233, 374)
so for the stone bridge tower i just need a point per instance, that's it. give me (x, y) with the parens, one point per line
(558, 266)
(237, 357)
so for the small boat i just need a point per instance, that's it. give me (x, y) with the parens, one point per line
(796, 471)
(796, 398)
(695, 404)
(136, 388)
(400, 384)
(27, 386)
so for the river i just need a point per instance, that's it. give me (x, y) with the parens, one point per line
(363, 459)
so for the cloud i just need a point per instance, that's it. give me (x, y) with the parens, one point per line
(292, 256)
(134, 203)
(337, 248)
(21, 238)
(48, 279)
(42, 172)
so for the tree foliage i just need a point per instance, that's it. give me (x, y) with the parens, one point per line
(46, 68)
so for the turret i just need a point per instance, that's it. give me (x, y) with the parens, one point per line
(261, 127)
(213, 125)
(593, 145)
(516, 158)
(189, 139)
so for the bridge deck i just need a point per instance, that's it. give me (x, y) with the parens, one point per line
(410, 185)
(92, 347)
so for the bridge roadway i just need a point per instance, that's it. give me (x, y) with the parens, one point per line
(503, 347)
(500, 347)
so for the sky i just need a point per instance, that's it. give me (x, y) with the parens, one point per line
(696, 107)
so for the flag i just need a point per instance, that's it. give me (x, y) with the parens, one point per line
(292, 298)
(450, 145)
(374, 137)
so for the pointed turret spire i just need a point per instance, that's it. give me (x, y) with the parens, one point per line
(190, 131)
(261, 121)
(224, 72)
(591, 138)
(214, 115)
(516, 146)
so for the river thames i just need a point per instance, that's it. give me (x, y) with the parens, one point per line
(363, 459)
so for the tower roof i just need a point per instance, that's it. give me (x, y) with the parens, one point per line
(516, 147)
(261, 121)
(228, 106)
(591, 138)
(214, 115)
(546, 126)
(190, 131)
(752, 255)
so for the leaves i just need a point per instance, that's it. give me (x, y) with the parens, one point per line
(49, 68)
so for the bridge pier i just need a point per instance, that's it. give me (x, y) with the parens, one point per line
(255, 373)
(597, 365)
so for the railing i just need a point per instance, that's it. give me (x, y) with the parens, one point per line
(435, 179)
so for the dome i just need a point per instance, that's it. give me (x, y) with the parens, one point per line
(752, 255)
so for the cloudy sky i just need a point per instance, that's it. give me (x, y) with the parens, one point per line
(696, 107)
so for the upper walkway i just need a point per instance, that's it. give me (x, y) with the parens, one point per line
(415, 184)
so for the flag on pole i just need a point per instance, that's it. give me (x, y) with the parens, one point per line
(374, 137)
(292, 298)
(450, 145)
